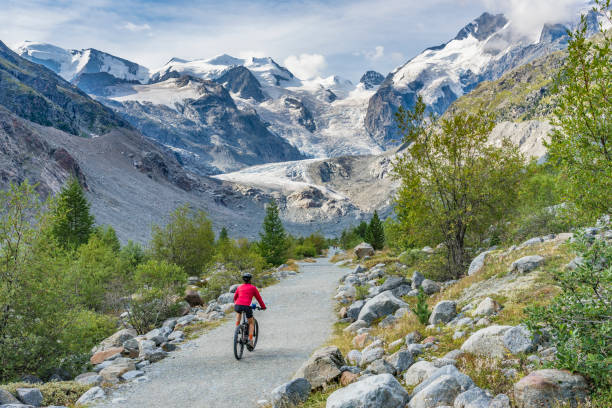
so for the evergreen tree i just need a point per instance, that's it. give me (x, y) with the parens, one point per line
(376, 232)
(273, 245)
(362, 230)
(223, 236)
(72, 223)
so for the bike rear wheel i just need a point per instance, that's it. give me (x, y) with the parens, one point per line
(255, 333)
(238, 343)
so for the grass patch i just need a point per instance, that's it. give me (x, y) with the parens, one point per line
(487, 374)
(54, 393)
(383, 257)
(343, 256)
(197, 329)
(318, 399)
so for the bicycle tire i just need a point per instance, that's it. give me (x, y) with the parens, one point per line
(238, 344)
(255, 333)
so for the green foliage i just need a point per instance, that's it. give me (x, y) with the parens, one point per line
(579, 319)
(376, 232)
(362, 292)
(187, 240)
(108, 236)
(422, 310)
(581, 143)
(55, 393)
(305, 251)
(454, 185)
(395, 237)
(223, 236)
(132, 254)
(307, 247)
(160, 275)
(273, 244)
(150, 307)
(72, 223)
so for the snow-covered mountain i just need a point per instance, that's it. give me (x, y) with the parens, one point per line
(484, 49)
(72, 64)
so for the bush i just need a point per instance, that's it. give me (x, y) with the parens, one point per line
(161, 275)
(305, 251)
(579, 319)
(362, 292)
(150, 307)
(58, 393)
(422, 310)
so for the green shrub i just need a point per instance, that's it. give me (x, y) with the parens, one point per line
(362, 292)
(305, 251)
(579, 319)
(160, 275)
(150, 307)
(58, 393)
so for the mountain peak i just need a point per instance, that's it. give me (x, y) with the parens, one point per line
(483, 26)
(371, 79)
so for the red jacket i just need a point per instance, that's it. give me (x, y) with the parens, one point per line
(245, 293)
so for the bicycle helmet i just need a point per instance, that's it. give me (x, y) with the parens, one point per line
(246, 277)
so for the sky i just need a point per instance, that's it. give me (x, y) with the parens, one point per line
(310, 37)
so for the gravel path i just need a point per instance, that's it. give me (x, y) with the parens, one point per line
(205, 374)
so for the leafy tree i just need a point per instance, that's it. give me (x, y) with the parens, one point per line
(579, 320)
(376, 232)
(452, 182)
(581, 143)
(273, 244)
(72, 222)
(187, 240)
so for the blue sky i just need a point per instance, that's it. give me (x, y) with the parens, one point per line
(311, 37)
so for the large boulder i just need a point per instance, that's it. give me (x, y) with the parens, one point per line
(418, 372)
(520, 340)
(114, 371)
(401, 360)
(441, 391)
(393, 282)
(353, 310)
(30, 396)
(290, 394)
(322, 367)
(487, 342)
(116, 340)
(364, 249)
(465, 382)
(443, 312)
(381, 305)
(225, 298)
(550, 388)
(7, 398)
(430, 287)
(477, 263)
(377, 391)
(526, 264)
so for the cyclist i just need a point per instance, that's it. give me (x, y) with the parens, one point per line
(242, 303)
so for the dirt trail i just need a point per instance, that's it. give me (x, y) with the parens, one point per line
(204, 372)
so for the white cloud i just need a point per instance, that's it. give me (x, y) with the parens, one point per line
(136, 28)
(528, 16)
(306, 66)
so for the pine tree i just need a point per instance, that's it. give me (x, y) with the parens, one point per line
(72, 223)
(223, 236)
(273, 245)
(376, 232)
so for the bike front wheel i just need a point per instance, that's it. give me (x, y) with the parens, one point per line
(238, 343)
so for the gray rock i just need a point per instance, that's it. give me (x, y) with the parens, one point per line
(377, 391)
(7, 398)
(364, 249)
(417, 279)
(415, 349)
(443, 312)
(402, 290)
(380, 366)
(526, 264)
(130, 375)
(418, 372)
(458, 334)
(290, 394)
(226, 298)
(454, 354)
(413, 337)
(116, 340)
(353, 327)
(392, 282)
(477, 263)
(472, 398)
(18, 405)
(430, 287)
(131, 348)
(185, 320)
(401, 312)
(370, 354)
(520, 340)
(322, 367)
(90, 396)
(170, 323)
(401, 361)
(359, 269)
(487, 342)
(465, 382)
(500, 401)
(550, 388)
(176, 336)
(354, 357)
(487, 307)
(441, 362)
(352, 369)
(89, 379)
(381, 305)
(388, 322)
(441, 391)
(531, 242)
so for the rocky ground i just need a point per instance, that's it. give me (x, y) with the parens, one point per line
(472, 353)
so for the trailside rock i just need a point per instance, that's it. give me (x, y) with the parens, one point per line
(364, 249)
(30, 396)
(526, 264)
(7, 398)
(290, 394)
(112, 372)
(418, 372)
(116, 340)
(549, 388)
(487, 342)
(370, 354)
(107, 354)
(487, 307)
(90, 396)
(322, 367)
(393, 282)
(377, 391)
(380, 306)
(380, 366)
(520, 340)
(441, 391)
(443, 312)
(353, 310)
(473, 398)
(430, 287)
(401, 360)
(226, 298)
(89, 379)
(465, 382)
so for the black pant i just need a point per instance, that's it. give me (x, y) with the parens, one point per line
(244, 309)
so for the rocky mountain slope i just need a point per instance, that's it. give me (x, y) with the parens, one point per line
(483, 50)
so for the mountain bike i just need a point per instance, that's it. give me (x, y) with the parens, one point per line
(241, 335)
